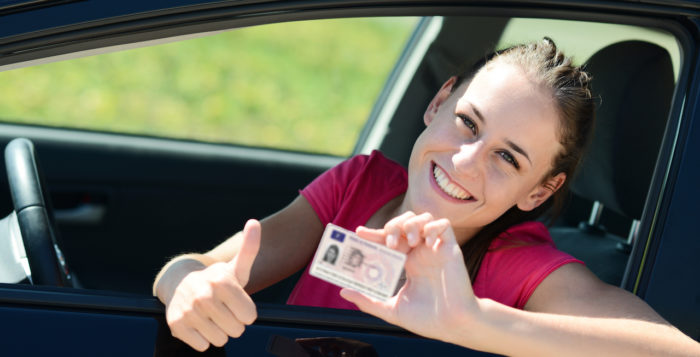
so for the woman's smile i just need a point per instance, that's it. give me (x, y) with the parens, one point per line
(447, 187)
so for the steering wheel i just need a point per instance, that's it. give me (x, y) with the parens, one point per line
(34, 215)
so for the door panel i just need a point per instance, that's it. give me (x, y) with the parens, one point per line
(40, 321)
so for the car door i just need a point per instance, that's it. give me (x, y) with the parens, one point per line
(125, 202)
(160, 196)
(149, 179)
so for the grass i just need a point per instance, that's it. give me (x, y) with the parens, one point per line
(306, 86)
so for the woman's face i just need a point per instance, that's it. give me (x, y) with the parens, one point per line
(486, 148)
(331, 254)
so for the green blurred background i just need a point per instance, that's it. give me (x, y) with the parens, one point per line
(283, 86)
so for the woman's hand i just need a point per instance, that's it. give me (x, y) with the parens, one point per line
(208, 305)
(437, 284)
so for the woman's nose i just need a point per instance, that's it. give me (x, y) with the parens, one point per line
(469, 159)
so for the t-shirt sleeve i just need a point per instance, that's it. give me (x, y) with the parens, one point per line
(327, 192)
(518, 264)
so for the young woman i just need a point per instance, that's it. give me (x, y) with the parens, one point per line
(499, 145)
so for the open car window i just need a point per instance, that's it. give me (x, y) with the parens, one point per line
(303, 86)
(567, 34)
(334, 87)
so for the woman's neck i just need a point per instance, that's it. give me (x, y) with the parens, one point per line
(390, 210)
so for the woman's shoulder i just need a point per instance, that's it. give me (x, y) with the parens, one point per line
(528, 242)
(375, 162)
(517, 261)
(378, 158)
(531, 233)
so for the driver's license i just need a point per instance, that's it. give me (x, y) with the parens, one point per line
(346, 260)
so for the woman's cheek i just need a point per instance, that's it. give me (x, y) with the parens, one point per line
(496, 174)
(499, 185)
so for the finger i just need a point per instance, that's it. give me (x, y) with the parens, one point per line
(380, 236)
(240, 304)
(373, 235)
(206, 327)
(439, 229)
(191, 337)
(368, 305)
(402, 245)
(223, 318)
(243, 261)
(413, 228)
(394, 229)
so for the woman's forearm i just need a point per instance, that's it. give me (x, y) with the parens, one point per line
(175, 270)
(221, 253)
(514, 332)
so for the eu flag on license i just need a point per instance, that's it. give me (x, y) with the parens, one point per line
(339, 236)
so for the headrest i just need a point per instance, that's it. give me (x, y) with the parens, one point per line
(634, 81)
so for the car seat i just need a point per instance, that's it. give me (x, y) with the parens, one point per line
(634, 82)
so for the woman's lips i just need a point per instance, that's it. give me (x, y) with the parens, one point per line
(450, 188)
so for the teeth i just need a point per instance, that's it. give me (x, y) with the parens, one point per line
(447, 186)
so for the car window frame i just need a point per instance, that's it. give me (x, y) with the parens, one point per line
(662, 182)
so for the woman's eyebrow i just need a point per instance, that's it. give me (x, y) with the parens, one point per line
(511, 144)
(477, 112)
(518, 149)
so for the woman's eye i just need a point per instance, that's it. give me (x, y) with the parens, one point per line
(469, 123)
(509, 159)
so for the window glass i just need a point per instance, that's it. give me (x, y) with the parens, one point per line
(567, 36)
(581, 40)
(270, 86)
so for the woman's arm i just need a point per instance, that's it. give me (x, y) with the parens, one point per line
(570, 313)
(206, 296)
(289, 240)
(296, 228)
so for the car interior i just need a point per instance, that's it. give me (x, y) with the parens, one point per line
(152, 198)
(598, 224)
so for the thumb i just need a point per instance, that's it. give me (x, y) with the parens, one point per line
(243, 261)
(382, 310)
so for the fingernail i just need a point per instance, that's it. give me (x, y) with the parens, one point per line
(411, 236)
(391, 241)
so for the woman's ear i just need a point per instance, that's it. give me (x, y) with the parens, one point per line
(542, 192)
(440, 97)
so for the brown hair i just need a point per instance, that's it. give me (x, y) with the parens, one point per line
(569, 86)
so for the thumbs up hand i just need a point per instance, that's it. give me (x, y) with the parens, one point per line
(209, 304)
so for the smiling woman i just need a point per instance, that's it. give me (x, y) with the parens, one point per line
(269, 86)
(499, 166)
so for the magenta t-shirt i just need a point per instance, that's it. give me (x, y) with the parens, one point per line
(350, 193)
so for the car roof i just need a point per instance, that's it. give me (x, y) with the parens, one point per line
(33, 30)
(15, 13)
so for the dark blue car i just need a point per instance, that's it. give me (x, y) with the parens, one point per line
(107, 185)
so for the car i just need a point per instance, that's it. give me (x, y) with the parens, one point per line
(98, 200)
